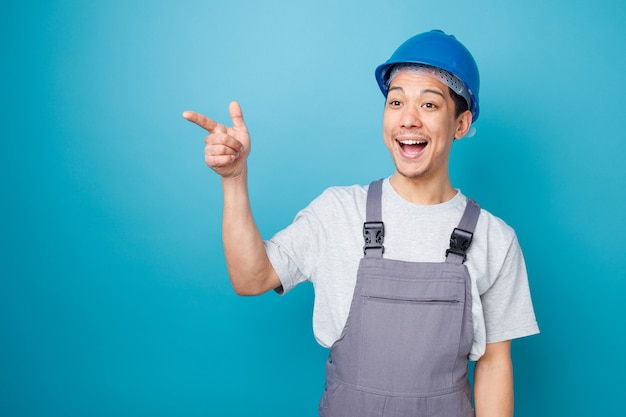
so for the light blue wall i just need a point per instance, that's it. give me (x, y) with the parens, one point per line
(114, 298)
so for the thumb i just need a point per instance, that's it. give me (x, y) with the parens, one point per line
(237, 116)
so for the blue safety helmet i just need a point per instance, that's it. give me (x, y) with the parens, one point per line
(437, 49)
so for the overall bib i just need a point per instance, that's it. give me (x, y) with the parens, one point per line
(405, 346)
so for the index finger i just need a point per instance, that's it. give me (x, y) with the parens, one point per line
(201, 120)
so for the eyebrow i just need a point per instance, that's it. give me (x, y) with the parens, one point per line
(428, 90)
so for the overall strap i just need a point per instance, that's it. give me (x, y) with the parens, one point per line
(461, 237)
(373, 228)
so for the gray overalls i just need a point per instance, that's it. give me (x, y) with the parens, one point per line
(405, 346)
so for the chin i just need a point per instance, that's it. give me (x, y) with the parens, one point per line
(409, 174)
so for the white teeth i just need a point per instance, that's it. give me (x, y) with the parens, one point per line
(413, 142)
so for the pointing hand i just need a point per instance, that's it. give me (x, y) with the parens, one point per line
(226, 148)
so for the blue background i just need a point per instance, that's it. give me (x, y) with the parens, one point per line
(114, 298)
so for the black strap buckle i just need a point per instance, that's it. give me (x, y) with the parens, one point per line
(460, 242)
(374, 235)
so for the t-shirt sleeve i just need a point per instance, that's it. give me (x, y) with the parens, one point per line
(295, 250)
(507, 303)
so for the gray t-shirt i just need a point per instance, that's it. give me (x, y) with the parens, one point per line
(324, 245)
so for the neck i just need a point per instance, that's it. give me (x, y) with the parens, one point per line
(420, 191)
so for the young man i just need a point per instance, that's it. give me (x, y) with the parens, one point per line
(411, 278)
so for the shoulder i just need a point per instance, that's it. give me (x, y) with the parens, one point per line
(344, 192)
(496, 250)
(344, 198)
(494, 240)
(494, 228)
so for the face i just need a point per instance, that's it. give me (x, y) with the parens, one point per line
(419, 126)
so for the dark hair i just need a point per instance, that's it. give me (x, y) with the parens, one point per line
(460, 105)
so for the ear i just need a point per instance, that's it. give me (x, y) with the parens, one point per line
(463, 123)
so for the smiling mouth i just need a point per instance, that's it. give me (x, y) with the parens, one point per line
(412, 147)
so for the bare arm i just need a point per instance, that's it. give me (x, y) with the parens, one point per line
(226, 150)
(493, 381)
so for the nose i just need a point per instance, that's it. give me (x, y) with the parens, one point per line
(410, 117)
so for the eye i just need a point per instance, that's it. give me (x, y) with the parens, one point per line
(394, 103)
(430, 105)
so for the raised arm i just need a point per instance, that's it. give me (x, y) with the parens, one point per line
(226, 151)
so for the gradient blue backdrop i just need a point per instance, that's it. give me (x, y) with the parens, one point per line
(114, 298)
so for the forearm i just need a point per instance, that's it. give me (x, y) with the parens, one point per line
(249, 268)
(226, 151)
(493, 387)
